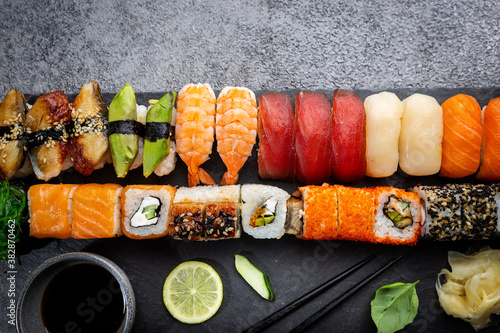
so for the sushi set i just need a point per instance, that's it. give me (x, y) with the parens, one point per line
(382, 191)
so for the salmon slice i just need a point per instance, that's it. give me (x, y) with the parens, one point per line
(313, 115)
(96, 211)
(276, 155)
(50, 210)
(461, 136)
(490, 159)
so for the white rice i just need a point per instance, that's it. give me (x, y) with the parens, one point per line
(252, 197)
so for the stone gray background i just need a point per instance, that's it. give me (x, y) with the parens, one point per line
(265, 45)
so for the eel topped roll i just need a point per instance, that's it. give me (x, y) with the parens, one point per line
(421, 136)
(263, 210)
(48, 137)
(12, 115)
(146, 210)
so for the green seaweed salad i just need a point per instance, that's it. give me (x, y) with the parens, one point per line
(12, 216)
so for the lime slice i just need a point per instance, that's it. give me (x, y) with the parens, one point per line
(192, 292)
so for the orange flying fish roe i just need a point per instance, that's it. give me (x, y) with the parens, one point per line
(320, 212)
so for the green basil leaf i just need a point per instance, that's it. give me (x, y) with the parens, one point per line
(394, 306)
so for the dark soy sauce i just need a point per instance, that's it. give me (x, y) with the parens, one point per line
(83, 298)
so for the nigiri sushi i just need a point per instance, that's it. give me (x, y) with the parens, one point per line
(97, 211)
(48, 137)
(461, 136)
(383, 126)
(276, 155)
(421, 136)
(194, 130)
(236, 129)
(348, 136)
(51, 208)
(12, 114)
(123, 130)
(490, 156)
(313, 116)
(89, 142)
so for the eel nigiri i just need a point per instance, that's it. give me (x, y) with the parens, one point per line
(12, 114)
(48, 138)
(490, 158)
(421, 136)
(122, 130)
(157, 137)
(276, 156)
(194, 130)
(313, 116)
(236, 129)
(461, 136)
(383, 126)
(348, 163)
(89, 142)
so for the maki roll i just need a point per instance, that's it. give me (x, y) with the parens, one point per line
(97, 211)
(12, 115)
(263, 210)
(398, 216)
(146, 210)
(51, 208)
(356, 214)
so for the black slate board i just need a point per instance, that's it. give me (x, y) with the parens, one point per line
(294, 266)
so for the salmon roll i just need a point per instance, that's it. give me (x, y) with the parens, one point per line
(146, 210)
(461, 136)
(356, 214)
(421, 136)
(263, 210)
(490, 154)
(50, 210)
(97, 211)
(398, 216)
(319, 214)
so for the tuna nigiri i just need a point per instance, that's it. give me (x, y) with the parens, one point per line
(461, 136)
(236, 129)
(48, 139)
(490, 158)
(276, 156)
(313, 116)
(194, 130)
(12, 114)
(383, 126)
(89, 142)
(421, 136)
(348, 163)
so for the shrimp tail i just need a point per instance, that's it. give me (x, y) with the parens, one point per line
(200, 176)
(229, 179)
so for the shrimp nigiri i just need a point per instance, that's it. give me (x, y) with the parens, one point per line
(194, 130)
(236, 129)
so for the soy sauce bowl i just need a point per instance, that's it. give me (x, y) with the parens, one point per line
(31, 298)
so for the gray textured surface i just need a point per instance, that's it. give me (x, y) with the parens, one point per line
(272, 45)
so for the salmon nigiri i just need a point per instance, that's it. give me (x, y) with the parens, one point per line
(348, 162)
(490, 158)
(194, 130)
(461, 136)
(236, 129)
(312, 137)
(276, 157)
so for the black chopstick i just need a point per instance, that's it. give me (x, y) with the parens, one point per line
(274, 317)
(318, 315)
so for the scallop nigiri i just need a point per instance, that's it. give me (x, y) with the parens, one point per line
(276, 157)
(313, 116)
(421, 136)
(236, 129)
(383, 126)
(194, 130)
(12, 113)
(348, 163)
(461, 136)
(490, 158)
